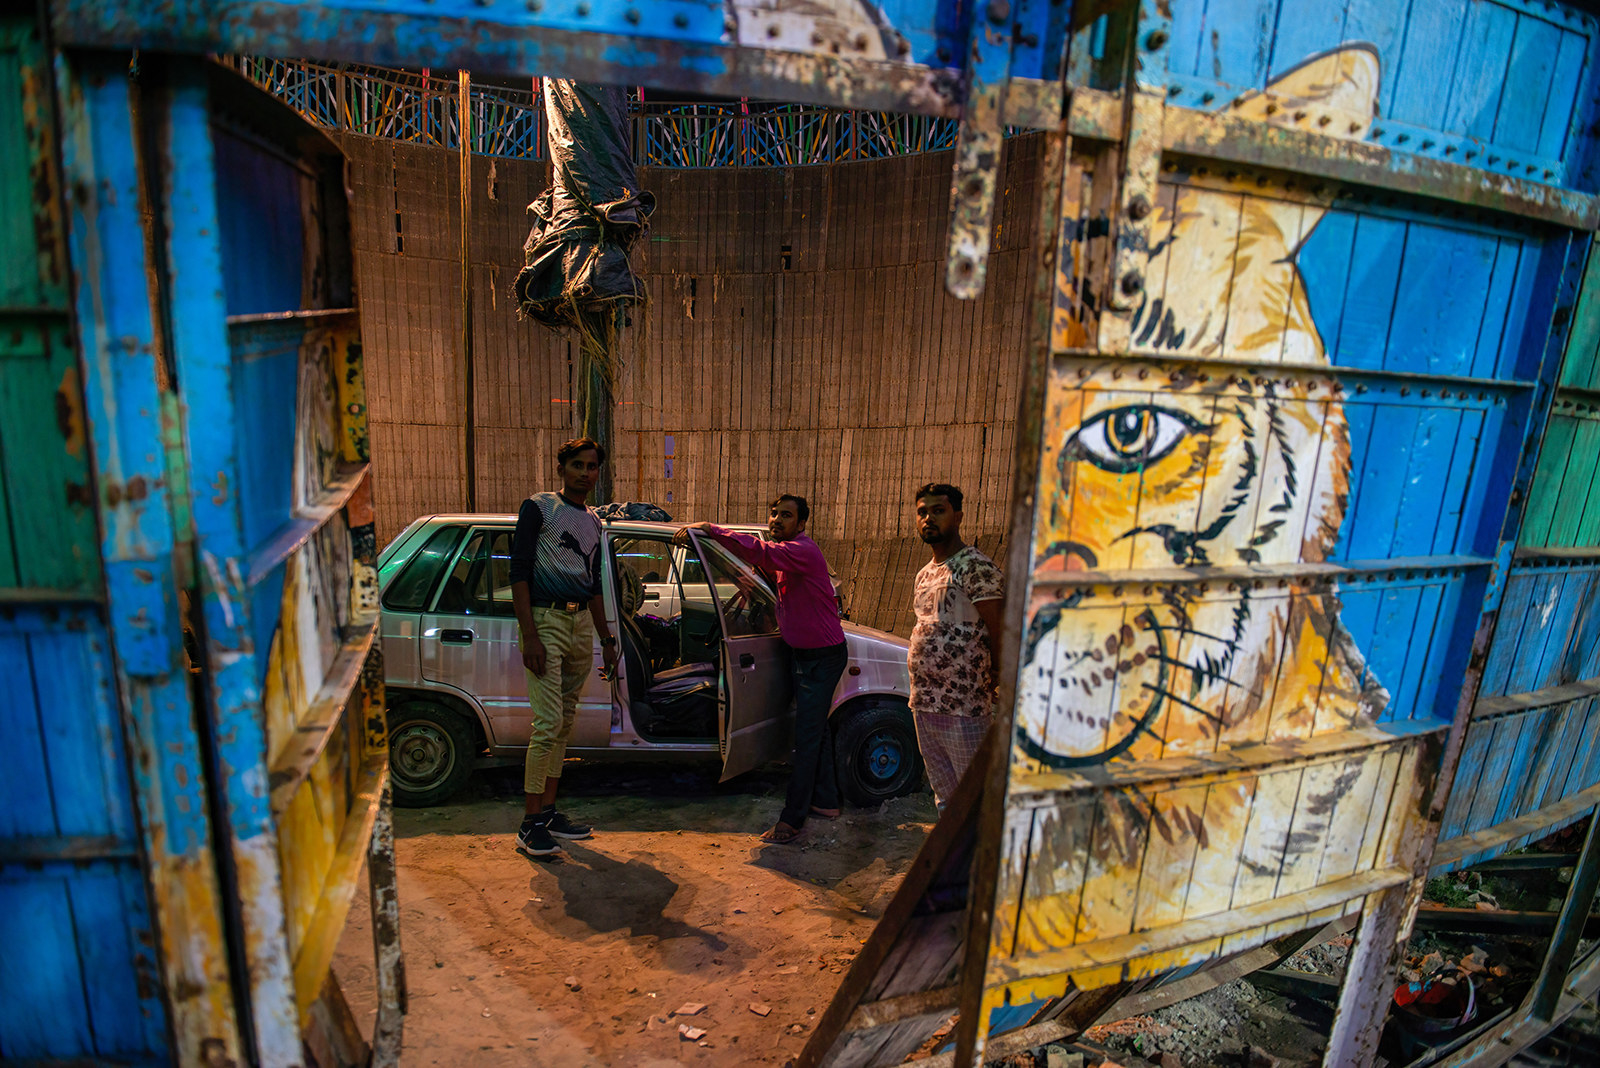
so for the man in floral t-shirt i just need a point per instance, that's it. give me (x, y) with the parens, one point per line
(953, 645)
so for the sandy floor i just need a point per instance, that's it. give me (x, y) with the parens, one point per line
(584, 960)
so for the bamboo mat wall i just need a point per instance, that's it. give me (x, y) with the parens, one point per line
(798, 339)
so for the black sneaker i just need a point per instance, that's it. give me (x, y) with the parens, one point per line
(534, 840)
(560, 826)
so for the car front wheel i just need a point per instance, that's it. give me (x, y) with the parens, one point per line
(875, 752)
(430, 753)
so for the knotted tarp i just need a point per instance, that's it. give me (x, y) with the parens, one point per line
(576, 270)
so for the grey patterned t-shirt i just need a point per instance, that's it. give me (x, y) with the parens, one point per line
(556, 549)
(949, 656)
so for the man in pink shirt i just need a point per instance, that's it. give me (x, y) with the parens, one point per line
(808, 619)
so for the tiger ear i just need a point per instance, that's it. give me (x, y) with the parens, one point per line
(1335, 93)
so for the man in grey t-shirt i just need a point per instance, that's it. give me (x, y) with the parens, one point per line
(555, 590)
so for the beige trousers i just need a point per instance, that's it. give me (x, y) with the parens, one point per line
(568, 639)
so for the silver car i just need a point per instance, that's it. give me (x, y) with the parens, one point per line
(703, 672)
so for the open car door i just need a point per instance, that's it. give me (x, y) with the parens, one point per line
(755, 710)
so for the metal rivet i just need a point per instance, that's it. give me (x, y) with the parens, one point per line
(681, 21)
(1206, 98)
(861, 42)
(1156, 39)
(972, 188)
(632, 16)
(1402, 139)
(583, 10)
(1138, 207)
(964, 267)
(816, 38)
(1272, 109)
(1324, 120)
(773, 29)
(1174, 90)
(1132, 283)
(1355, 127)
(999, 11)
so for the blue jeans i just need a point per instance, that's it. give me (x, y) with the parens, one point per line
(813, 782)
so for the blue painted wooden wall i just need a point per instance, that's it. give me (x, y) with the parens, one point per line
(78, 968)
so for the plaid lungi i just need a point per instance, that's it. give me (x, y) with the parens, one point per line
(948, 744)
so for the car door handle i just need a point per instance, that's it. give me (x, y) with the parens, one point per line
(747, 661)
(456, 637)
(652, 595)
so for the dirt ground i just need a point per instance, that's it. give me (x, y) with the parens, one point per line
(584, 960)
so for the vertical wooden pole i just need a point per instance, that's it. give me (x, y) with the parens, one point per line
(464, 137)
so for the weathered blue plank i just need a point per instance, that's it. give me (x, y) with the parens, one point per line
(1369, 297)
(87, 779)
(25, 798)
(1452, 535)
(1432, 38)
(1543, 595)
(1382, 24)
(1358, 417)
(1304, 28)
(1490, 790)
(1422, 501)
(1372, 524)
(1441, 306)
(1497, 300)
(1509, 630)
(99, 898)
(1480, 71)
(266, 376)
(1526, 332)
(1324, 262)
(1552, 789)
(1561, 629)
(203, 202)
(1417, 699)
(1236, 41)
(1579, 777)
(1566, 83)
(263, 237)
(1469, 777)
(1527, 94)
(41, 978)
(1391, 645)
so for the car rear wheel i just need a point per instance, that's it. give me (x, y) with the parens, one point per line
(430, 753)
(875, 753)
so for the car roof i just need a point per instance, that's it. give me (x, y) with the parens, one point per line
(510, 520)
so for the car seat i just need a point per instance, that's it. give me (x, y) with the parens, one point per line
(679, 702)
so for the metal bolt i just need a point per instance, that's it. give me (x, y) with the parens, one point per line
(816, 38)
(861, 42)
(1156, 40)
(1272, 109)
(1132, 283)
(1138, 207)
(964, 267)
(583, 10)
(1206, 98)
(1402, 139)
(632, 16)
(1324, 120)
(999, 11)
(972, 188)
(1355, 127)
(773, 29)
(1174, 90)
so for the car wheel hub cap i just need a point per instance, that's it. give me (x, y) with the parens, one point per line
(421, 755)
(883, 757)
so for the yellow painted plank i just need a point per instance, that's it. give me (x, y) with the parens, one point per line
(1216, 865)
(1265, 840)
(1169, 858)
(1058, 857)
(1116, 857)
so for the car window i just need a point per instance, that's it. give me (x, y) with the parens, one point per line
(480, 582)
(409, 590)
(748, 604)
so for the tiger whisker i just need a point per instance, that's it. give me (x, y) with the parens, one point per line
(1212, 716)
(1198, 670)
(1197, 633)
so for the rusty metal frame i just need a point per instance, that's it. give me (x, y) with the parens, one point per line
(1094, 114)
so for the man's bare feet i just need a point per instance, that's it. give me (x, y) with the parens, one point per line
(781, 834)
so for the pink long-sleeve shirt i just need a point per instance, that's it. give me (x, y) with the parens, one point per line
(808, 616)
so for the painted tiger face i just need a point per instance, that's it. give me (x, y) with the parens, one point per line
(1187, 463)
